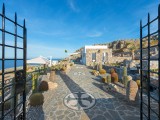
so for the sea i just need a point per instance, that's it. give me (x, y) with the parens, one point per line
(10, 63)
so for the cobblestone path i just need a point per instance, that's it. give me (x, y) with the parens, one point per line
(109, 105)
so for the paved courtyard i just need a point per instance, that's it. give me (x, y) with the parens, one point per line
(108, 105)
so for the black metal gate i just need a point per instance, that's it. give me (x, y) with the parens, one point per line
(150, 69)
(13, 96)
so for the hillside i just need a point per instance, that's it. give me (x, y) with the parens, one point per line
(127, 45)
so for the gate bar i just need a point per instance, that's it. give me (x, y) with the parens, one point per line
(159, 55)
(24, 66)
(141, 106)
(15, 63)
(148, 81)
(3, 57)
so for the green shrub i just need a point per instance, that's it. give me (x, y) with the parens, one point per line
(124, 74)
(102, 71)
(36, 99)
(114, 77)
(43, 86)
(125, 71)
(34, 82)
(138, 83)
(109, 79)
(93, 72)
(104, 79)
(100, 66)
(58, 67)
(125, 80)
(63, 68)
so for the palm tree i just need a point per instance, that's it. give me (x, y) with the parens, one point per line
(65, 51)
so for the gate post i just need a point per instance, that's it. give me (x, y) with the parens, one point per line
(141, 107)
(3, 57)
(24, 67)
(159, 55)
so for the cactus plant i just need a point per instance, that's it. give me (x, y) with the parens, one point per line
(100, 66)
(124, 75)
(104, 79)
(7, 105)
(93, 72)
(93, 65)
(126, 79)
(132, 91)
(102, 71)
(36, 99)
(34, 82)
(112, 70)
(138, 83)
(109, 79)
(96, 73)
(43, 86)
(125, 71)
(114, 77)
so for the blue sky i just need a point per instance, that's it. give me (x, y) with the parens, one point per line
(56, 25)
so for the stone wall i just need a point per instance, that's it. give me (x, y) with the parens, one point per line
(119, 59)
(99, 55)
(122, 54)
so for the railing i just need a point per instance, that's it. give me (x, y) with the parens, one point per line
(145, 72)
(20, 75)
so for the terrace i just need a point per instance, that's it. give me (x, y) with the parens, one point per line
(69, 90)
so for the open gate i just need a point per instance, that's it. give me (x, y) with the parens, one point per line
(12, 89)
(150, 69)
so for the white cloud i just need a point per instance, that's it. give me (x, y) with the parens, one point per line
(73, 6)
(95, 34)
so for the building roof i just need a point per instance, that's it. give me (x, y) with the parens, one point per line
(94, 47)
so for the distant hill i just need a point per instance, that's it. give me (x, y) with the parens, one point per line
(126, 45)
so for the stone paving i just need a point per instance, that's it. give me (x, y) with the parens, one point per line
(109, 105)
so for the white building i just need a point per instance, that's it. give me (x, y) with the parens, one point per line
(97, 54)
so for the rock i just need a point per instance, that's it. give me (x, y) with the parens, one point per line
(111, 87)
(132, 64)
(132, 90)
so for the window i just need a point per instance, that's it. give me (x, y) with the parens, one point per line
(105, 57)
(94, 56)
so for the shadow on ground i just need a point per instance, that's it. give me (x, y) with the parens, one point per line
(35, 112)
(106, 108)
